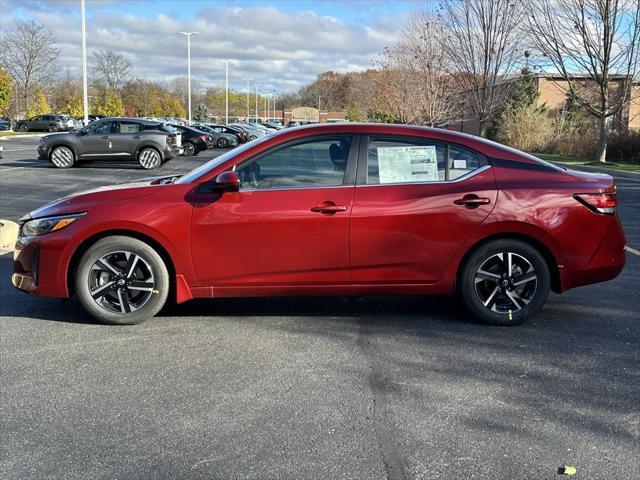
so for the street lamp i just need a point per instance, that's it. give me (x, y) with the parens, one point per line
(226, 91)
(248, 91)
(188, 35)
(257, 85)
(85, 100)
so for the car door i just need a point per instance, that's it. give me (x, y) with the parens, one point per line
(95, 141)
(125, 138)
(415, 204)
(287, 227)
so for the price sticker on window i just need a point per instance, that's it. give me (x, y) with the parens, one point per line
(407, 164)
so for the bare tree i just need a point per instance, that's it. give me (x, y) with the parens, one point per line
(111, 67)
(28, 52)
(596, 39)
(483, 45)
(420, 52)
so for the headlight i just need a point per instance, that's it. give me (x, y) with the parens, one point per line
(40, 226)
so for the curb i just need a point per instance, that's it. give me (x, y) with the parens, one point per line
(594, 167)
(28, 135)
(8, 234)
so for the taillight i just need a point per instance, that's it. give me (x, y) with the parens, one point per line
(598, 202)
(204, 137)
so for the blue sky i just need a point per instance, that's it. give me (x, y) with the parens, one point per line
(280, 44)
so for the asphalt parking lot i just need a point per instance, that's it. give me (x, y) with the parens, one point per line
(366, 388)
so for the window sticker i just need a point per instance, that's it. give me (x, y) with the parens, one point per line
(459, 164)
(407, 164)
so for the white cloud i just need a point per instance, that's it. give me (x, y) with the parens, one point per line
(278, 49)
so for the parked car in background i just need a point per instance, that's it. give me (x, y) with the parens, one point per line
(50, 123)
(193, 141)
(239, 133)
(5, 123)
(1, 151)
(118, 138)
(251, 130)
(401, 211)
(219, 139)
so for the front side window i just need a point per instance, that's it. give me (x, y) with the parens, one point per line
(417, 160)
(101, 128)
(313, 163)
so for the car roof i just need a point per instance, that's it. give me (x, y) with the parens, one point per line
(482, 145)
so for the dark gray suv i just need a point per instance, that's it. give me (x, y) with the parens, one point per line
(148, 142)
(51, 123)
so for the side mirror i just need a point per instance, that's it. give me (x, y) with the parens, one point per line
(228, 182)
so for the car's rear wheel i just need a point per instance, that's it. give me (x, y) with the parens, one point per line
(62, 157)
(505, 281)
(53, 128)
(23, 128)
(252, 137)
(223, 143)
(149, 158)
(122, 280)
(189, 149)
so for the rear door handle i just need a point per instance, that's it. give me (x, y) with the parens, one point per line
(106, 137)
(472, 201)
(329, 208)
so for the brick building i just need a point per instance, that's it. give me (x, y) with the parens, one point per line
(553, 92)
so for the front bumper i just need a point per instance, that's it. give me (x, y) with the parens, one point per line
(43, 152)
(39, 265)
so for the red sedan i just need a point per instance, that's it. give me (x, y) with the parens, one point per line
(341, 209)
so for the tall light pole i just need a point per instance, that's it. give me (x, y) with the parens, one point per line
(248, 91)
(266, 102)
(85, 99)
(226, 91)
(257, 85)
(188, 35)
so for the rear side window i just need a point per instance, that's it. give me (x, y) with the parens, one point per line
(396, 160)
(128, 127)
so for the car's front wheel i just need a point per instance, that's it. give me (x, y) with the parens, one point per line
(504, 281)
(149, 158)
(189, 149)
(53, 128)
(23, 128)
(122, 280)
(62, 157)
(223, 143)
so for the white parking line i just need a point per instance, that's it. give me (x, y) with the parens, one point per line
(18, 149)
(632, 250)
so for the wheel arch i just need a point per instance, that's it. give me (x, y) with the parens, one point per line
(152, 242)
(545, 251)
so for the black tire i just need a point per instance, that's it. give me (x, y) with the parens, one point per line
(189, 149)
(53, 128)
(149, 158)
(62, 157)
(495, 298)
(147, 283)
(23, 128)
(223, 143)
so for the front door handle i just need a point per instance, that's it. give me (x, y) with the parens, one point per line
(106, 137)
(472, 201)
(329, 208)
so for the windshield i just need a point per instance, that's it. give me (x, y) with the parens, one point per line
(214, 162)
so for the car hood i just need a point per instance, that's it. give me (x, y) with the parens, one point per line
(55, 136)
(88, 199)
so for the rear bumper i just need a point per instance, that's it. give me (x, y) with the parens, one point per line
(606, 262)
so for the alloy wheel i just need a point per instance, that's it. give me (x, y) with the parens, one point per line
(149, 158)
(62, 157)
(506, 282)
(189, 149)
(121, 282)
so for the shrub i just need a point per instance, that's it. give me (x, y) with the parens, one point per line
(525, 128)
(624, 147)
